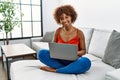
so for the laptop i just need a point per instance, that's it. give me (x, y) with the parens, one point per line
(63, 51)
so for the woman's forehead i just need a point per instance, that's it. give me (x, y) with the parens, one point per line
(63, 15)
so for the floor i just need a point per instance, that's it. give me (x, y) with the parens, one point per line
(3, 75)
(2, 72)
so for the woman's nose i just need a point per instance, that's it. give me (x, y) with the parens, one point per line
(64, 20)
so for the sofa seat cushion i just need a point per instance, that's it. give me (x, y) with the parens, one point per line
(97, 71)
(113, 75)
(39, 45)
(29, 70)
(92, 57)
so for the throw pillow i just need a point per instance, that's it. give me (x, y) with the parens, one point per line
(48, 37)
(112, 52)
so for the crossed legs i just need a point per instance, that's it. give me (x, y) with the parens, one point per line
(81, 65)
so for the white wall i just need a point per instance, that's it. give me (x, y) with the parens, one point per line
(101, 14)
(49, 23)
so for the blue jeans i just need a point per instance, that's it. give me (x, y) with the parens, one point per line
(81, 65)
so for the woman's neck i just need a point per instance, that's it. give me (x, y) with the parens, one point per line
(68, 28)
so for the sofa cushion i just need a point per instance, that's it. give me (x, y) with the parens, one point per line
(97, 71)
(113, 75)
(91, 57)
(112, 52)
(48, 37)
(39, 45)
(88, 34)
(99, 42)
(30, 70)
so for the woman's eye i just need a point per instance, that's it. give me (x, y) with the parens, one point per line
(61, 18)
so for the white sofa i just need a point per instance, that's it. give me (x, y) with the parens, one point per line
(96, 42)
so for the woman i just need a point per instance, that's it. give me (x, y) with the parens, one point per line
(67, 34)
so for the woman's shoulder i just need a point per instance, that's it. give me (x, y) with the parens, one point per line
(80, 32)
(58, 30)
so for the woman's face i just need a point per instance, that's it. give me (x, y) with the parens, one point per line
(65, 20)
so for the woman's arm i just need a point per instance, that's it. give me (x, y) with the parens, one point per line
(56, 35)
(82, 46)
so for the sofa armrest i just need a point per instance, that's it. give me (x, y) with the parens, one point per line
(113, 75)
(37, 39)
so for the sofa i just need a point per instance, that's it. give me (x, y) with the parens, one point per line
(96, 44)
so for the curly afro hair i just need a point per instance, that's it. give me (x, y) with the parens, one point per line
(68, 10)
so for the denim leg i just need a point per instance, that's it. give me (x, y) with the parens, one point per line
(81, 65)
(44, 57)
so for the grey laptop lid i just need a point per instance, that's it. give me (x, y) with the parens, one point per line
(63, 51)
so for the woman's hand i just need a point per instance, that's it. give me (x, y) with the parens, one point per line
(81, 52)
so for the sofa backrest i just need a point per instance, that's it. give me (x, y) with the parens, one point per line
(99, 42)
(48, 36)
(88, 34)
